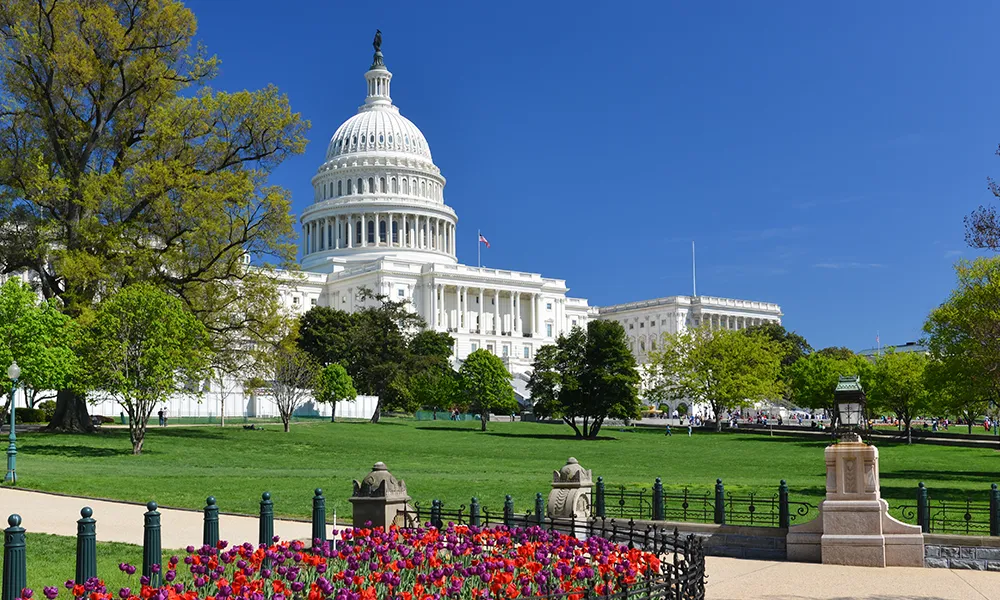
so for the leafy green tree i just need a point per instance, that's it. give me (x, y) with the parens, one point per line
(334, 385)
(436, 389)
(813, 378)
(793, 345)
(118, 164)
(142, 346)
(40, 338)
(436, 345)
(486, 385)
(728, 369)
(326, 334)
(837, 352)
(955, 389)
(555, 381)
(963, 334)
(898, 385)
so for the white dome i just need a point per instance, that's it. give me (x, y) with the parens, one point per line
(380, 129)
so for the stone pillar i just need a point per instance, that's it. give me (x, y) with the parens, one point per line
(481, 327)
(496, 313)
(515, 305)
(465, 309)
(379, 498)
(854, 526)
(570, 495)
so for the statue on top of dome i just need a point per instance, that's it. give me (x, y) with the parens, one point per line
(377, 42)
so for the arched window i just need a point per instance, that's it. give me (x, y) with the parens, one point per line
(355, 141)
(357, 232)
(371, 185)
(395, 186)
(371, 138)
(381, 183)
(422, 190)
(395, 232)
(361, 188)
(324, 192)
(642, 345)
(652, 344)
(406, 187)
(350, 187)
(340, 188)
(381, 231)
(371, 232)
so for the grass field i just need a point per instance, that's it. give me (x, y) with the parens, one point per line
(452, 461)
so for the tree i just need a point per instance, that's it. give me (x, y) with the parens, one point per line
(982, 226)
(436, 389)
(486, 385)
(837, 352)
(291, 376)
(793, 345)
(118, 164)
(40, 338)
(963, 334)
(326, 334)
(813, 378)
(955, 389)
(897, 385)
(555, 381)
(435, 345)
(726, 368)
(334, 385)
(142, 346)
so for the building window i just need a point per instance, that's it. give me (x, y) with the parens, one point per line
(340, 188)
(475, 346)
(361, 189)
(642, 345)
(506, 350)
(527, 352)
(631, 325)
(390, 138)
(548, 329)
(652, 344)
(312, 302)
(548, 306)
(381, 231)
(395, 186)
(381, 184)
(371, 185)
(401, 292)
(350, 186)
(574, 322)
(395, 232)
(489, 348)
(357, 226)
(371, 232)
(641, 325)
(295, 301)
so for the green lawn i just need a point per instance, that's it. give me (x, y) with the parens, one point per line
(452, 461)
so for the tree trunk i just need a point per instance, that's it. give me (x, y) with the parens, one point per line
(909, 431)
(718, 418)
(586, 427)
(285, 423)
(483, 417)
(378, 411)
(572, 423)
(71, 414)
(595, 428)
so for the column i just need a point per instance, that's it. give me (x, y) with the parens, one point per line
(533, 306)
(482, 322)
(496, 312)
(364, 230)
(402, 231)
(465, 308)
(516, 306)
(433, 311)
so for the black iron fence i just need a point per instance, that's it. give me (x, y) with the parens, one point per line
(972, 516)
(718, 506)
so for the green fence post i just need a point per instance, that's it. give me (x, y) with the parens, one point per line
(539, 508)
(152, 552)
(508, 511)
(265, 535)
(659, 510)
(474, 512)
(784, 518)
(720, 503)
(15, 564)
(599, 504)
(86, 545)
(923, 508)
(436, 514)
(319, 518)
(210, 530)
(994, 510)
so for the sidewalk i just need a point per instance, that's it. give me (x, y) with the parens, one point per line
(735, 579)
(122, 522)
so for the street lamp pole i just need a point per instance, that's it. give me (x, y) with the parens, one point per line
(13, 371)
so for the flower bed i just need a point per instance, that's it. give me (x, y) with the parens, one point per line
(401, 564)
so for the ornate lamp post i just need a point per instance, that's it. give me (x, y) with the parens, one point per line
(849, 398)
(13, 371)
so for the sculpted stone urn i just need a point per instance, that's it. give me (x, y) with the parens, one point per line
(381, 500)
(570, 497)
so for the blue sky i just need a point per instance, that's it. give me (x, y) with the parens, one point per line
(822, 156)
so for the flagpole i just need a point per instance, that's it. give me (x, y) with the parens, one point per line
(694, 272)
(479, 249)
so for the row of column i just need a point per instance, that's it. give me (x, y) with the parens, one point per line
(731, 321)
(506, 319)
(388, 230)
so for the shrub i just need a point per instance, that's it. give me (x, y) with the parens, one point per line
(48, 408)
(30, 415)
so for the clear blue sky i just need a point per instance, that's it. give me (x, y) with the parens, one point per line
(821, 156)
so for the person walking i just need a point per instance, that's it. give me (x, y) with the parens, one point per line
(159, 414)
(668, 432)
(689, 428)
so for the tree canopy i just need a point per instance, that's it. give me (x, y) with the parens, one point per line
(726, 368)
(334, 385)
(118, 164)
(813, 378)
(898, 386)
(485, 383)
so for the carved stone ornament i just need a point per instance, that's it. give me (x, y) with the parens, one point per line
(380, 483)
(570, 494)
(572, 472)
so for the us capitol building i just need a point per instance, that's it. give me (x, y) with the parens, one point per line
(378, 220)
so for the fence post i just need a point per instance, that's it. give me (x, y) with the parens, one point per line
(508, 511)
(539, 508)
(923, 508)
(474, 512)
(265, 535)
(784, 519)
(720, 503)
(436, 514)
(210, 532)
(659, 509)
(599, 504)
(15, 564)
(319, 518)
(152, 552)
(994, 510)
(86, 545)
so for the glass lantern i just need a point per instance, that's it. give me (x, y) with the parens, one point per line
(849, 399)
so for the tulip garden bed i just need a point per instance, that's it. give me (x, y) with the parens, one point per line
(401, 564)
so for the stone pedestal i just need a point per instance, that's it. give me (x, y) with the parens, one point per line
(570, 495)
(854, 526)
(380, 500)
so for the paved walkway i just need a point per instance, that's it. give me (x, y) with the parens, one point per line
(122, 522)
(729, 578)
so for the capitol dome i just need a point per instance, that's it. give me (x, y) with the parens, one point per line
(378, 192)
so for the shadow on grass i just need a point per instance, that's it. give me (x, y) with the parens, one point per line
(523, 436)
(76, 451)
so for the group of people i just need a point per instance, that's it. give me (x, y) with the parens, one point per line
(162, 414)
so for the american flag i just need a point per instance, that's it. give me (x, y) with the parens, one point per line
(483, 240)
